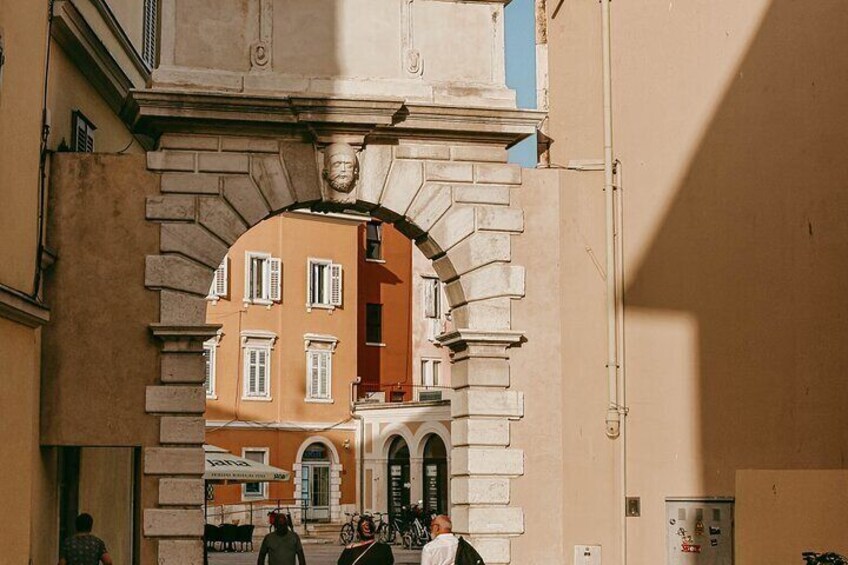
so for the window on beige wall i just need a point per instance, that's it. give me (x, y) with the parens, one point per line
(210, 349)
(257, 366)
(319, 374)
(255, 490)
(324, 284)
(83, 132)
(263, 278)
(220, 287)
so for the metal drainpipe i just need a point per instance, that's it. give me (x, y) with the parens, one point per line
(615, 427)
(361, 448)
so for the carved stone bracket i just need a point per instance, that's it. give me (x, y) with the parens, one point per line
(176, 339)
(465, 344)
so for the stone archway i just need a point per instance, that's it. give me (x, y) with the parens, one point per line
(452, 200)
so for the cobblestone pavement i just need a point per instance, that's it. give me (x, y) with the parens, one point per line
(315, 555)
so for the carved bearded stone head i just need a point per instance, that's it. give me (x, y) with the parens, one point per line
(341, 168)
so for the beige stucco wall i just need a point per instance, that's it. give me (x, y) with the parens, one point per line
(69, 89)
(130, 15)
(24, 26)
(729, 124)
(19, 355)
(536, 371)
(101, 238)
(422, 346)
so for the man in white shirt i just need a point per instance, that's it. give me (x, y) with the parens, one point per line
(442, 550)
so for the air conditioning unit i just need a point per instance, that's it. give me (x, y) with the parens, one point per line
(429, 395)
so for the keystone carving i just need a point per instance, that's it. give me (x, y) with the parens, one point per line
(341, 172)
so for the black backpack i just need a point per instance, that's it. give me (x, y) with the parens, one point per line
(466, 554)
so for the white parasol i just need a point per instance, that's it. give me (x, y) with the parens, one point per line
(222, 467)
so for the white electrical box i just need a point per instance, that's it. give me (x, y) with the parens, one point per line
(587, 555)
(699, 532)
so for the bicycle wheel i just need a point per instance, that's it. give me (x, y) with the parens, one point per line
(346, 534)
(407, 541)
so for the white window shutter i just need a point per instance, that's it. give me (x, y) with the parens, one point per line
(313, 375)
(335, 284)
(221, 281)
(310, 295)
(252, 365)
(429, 299)
(324, 375)
(275, 279)
(262, 372)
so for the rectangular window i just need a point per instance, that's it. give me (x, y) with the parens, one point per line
(319, 373)
(83, 132)
(149, 32)
(257, 367)
(432, 298)
(430, 369)
(263, 278)
(210, 349)
(220, 287)
(255, 490)
(324, 284)
(373, 323)
(374, 241)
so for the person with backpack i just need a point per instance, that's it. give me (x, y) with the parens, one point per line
(446, 548)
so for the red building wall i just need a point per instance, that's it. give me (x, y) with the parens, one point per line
(387, 282)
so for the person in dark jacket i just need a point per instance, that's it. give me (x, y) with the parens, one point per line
(281, 546)
(368, 551)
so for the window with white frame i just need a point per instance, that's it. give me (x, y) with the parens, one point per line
(324, 284)
(430, 369)
(257, 347)
(319, 374)
(210, 348)
(255, 490)
(220, 287)
(262, 278)
(83, 132)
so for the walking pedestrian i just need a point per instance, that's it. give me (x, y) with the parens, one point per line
(368, 551)
(281, 546)
(82, 548)
(442, 550)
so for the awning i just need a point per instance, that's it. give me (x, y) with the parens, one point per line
(224, 467)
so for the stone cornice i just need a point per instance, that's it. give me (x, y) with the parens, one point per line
(184, 338)
(88, 52)
(21, 308)
(153, 112)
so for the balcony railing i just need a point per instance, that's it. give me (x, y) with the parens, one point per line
(400, 393)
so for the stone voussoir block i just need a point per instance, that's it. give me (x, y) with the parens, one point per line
(243, 195)
(272, 180)
(181, 492)
(432, 202)
(218, 217)
(486, 173)
(448, 171)
(479, 153)
(492, 281)
(182, 430)
(494, 461)
(455, 225)
(171, 161)
(192, 241)
(182, 309)
(174, 461)
(477, 251)
(189, 183)
(223, 162)
(176, 207)
(175, 399)
(162, 522)
(374, 164)
(402, 185)
(180, 552)
(177, 273)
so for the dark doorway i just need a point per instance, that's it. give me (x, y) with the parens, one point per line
(398, 483)
(435, 473)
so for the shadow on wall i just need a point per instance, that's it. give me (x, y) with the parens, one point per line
(755, 246)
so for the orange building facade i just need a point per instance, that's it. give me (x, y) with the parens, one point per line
(280, 370)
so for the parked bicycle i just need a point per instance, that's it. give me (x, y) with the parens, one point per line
(829, 558)
(347, 533)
